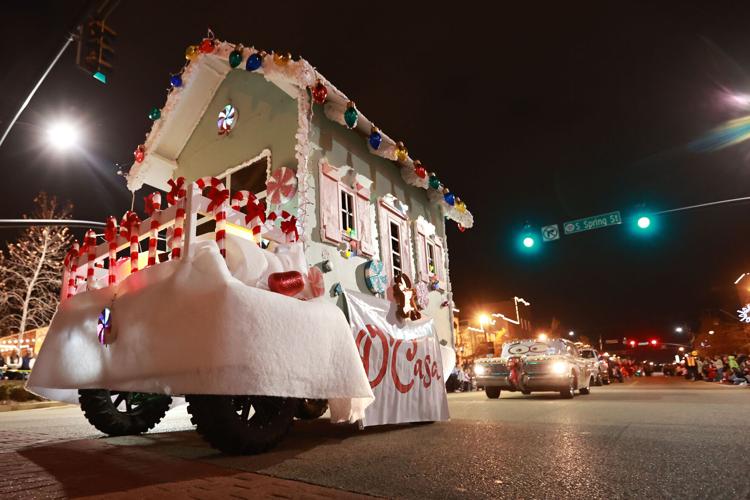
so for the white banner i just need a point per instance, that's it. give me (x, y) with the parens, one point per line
(402, 361)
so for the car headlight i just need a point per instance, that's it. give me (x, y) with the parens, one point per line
(480, 370)
(559, 367)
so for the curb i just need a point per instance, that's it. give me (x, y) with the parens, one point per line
(31, 406)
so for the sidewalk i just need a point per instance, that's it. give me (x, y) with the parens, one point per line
(29, 405)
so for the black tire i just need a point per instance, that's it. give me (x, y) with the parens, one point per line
(525, 392)
(119, 413)
(571, 390)
(310, 409)
(225, 421)
(492, 392)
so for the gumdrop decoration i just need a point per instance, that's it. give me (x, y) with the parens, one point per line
(192, 53)
(449, 198)
(401, 152)
(254, 61)
(207, 45)
(140, 153)
(319, 93)
(351, 115)
(104, 327)
(154, 114)
(175, 81)
(434, 181)
(375, 277)
(419, 170)
(282, 59)
(227, 119)
(235, 57)
(375, 138)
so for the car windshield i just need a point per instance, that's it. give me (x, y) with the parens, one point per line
(588, 354)
(533, 347)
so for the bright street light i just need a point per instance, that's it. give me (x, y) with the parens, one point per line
(542, 337)
(678, 329)
(644, 222)
(63, 135)
(711, 332)
(571, 333)
(528, 242)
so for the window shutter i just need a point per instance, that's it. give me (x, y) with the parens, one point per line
(330, 209)
(364, 225)
(385, 240)
(440, 263)
(420, 246)
(407, 259)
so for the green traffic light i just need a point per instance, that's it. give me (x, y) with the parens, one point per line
(644, 222)
(528, 242)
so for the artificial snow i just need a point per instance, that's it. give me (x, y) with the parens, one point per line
(190, 327)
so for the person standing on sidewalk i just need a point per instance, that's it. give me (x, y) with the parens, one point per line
(692, 366)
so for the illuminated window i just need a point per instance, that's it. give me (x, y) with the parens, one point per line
(395, 237)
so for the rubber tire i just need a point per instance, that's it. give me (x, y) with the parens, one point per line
(310, 409)
(100, 411)
(492, 392)
(570, 392)
(216, 420)
(525, 392)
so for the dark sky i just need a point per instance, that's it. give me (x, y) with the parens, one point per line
(535, 111)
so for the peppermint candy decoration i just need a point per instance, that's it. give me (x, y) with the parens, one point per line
(423, 295)
(227, 119)
(315, 278)
(104, 327)
(281, 186)
(375, 277)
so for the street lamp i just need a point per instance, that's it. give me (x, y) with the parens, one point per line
(63, 135)
(711, 332)
(678, 329)
(571, 333)
(542, 337)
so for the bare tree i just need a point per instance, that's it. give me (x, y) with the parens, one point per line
(31, 270)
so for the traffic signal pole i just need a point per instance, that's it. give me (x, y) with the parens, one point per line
(68, 41)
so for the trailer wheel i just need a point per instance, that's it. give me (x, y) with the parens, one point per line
(119, 413)
(492, 392)
(310, 409)
(242, 424)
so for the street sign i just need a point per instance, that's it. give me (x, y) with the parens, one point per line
(593, 222)
(611, 341)
(551, 233)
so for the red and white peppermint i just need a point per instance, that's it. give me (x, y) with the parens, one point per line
(281, 185)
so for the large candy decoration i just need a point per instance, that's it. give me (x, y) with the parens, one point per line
(375, 278)
(315, 278)
(219, 196)
(207, 45)
(423, 295)
(375, 138)
(90, 246)
(104, 327)
(254, 61)
(319, 93)
(177, 195)
(71, 261)
(227, 119)
(235, 57)
(110, 236)
(402, 154)
(287, 283)
(419, 170)
(255, 211)
(281, 185)
(351, 115)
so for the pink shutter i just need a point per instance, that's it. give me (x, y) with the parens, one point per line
(364, 226)
(420, 246)
(407, 256)
(440, 263)
(330, 210)
(385, 240)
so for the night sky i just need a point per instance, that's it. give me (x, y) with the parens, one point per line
(534, 112)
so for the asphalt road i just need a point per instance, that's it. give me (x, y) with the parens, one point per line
(647, 438)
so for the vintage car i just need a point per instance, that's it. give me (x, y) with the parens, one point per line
(536, 365)
(598, 364)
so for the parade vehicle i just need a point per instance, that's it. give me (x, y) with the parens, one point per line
(598, 364)
(299, 265)
(535, 365)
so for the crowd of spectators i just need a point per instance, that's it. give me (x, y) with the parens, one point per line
(15, 365)
(728, 369)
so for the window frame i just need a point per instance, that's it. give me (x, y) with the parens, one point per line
(351, 195)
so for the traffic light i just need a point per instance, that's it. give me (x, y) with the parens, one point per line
(632, 343)
(653, 342)
(644, 222)
(95, 52)
(528, 239)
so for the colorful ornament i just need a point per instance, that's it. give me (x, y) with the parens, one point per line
(191, 53)
(351, 115)
(744, 313)
(419, 170)
(140, 153)
(287, 283)
(423, 295)
(104, 327)
(434, 181)
(375, 277)
(154, 114)
(235, 57)
(175, 81)
(227, 119)
(282, 59)
(207, 45)
(405, 297)
(375, 138)
(461, 228)
(460, 205)
(401, 152)
(281, 186)
(319, 93)
(449, 198)
(317, 284)
(254, 61)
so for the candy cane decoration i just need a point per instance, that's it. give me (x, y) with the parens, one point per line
(288, 225)
(218, 194)
(177, 195)
(129, 228)
(72, 261)
(153, 208)
(90, 244)
(255, 211)
(110, 236)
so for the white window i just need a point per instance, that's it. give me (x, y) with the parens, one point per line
(430, 254)
(431, 269)
(395, 238)
(347, 213)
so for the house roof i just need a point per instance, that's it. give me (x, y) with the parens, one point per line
(187, 103)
